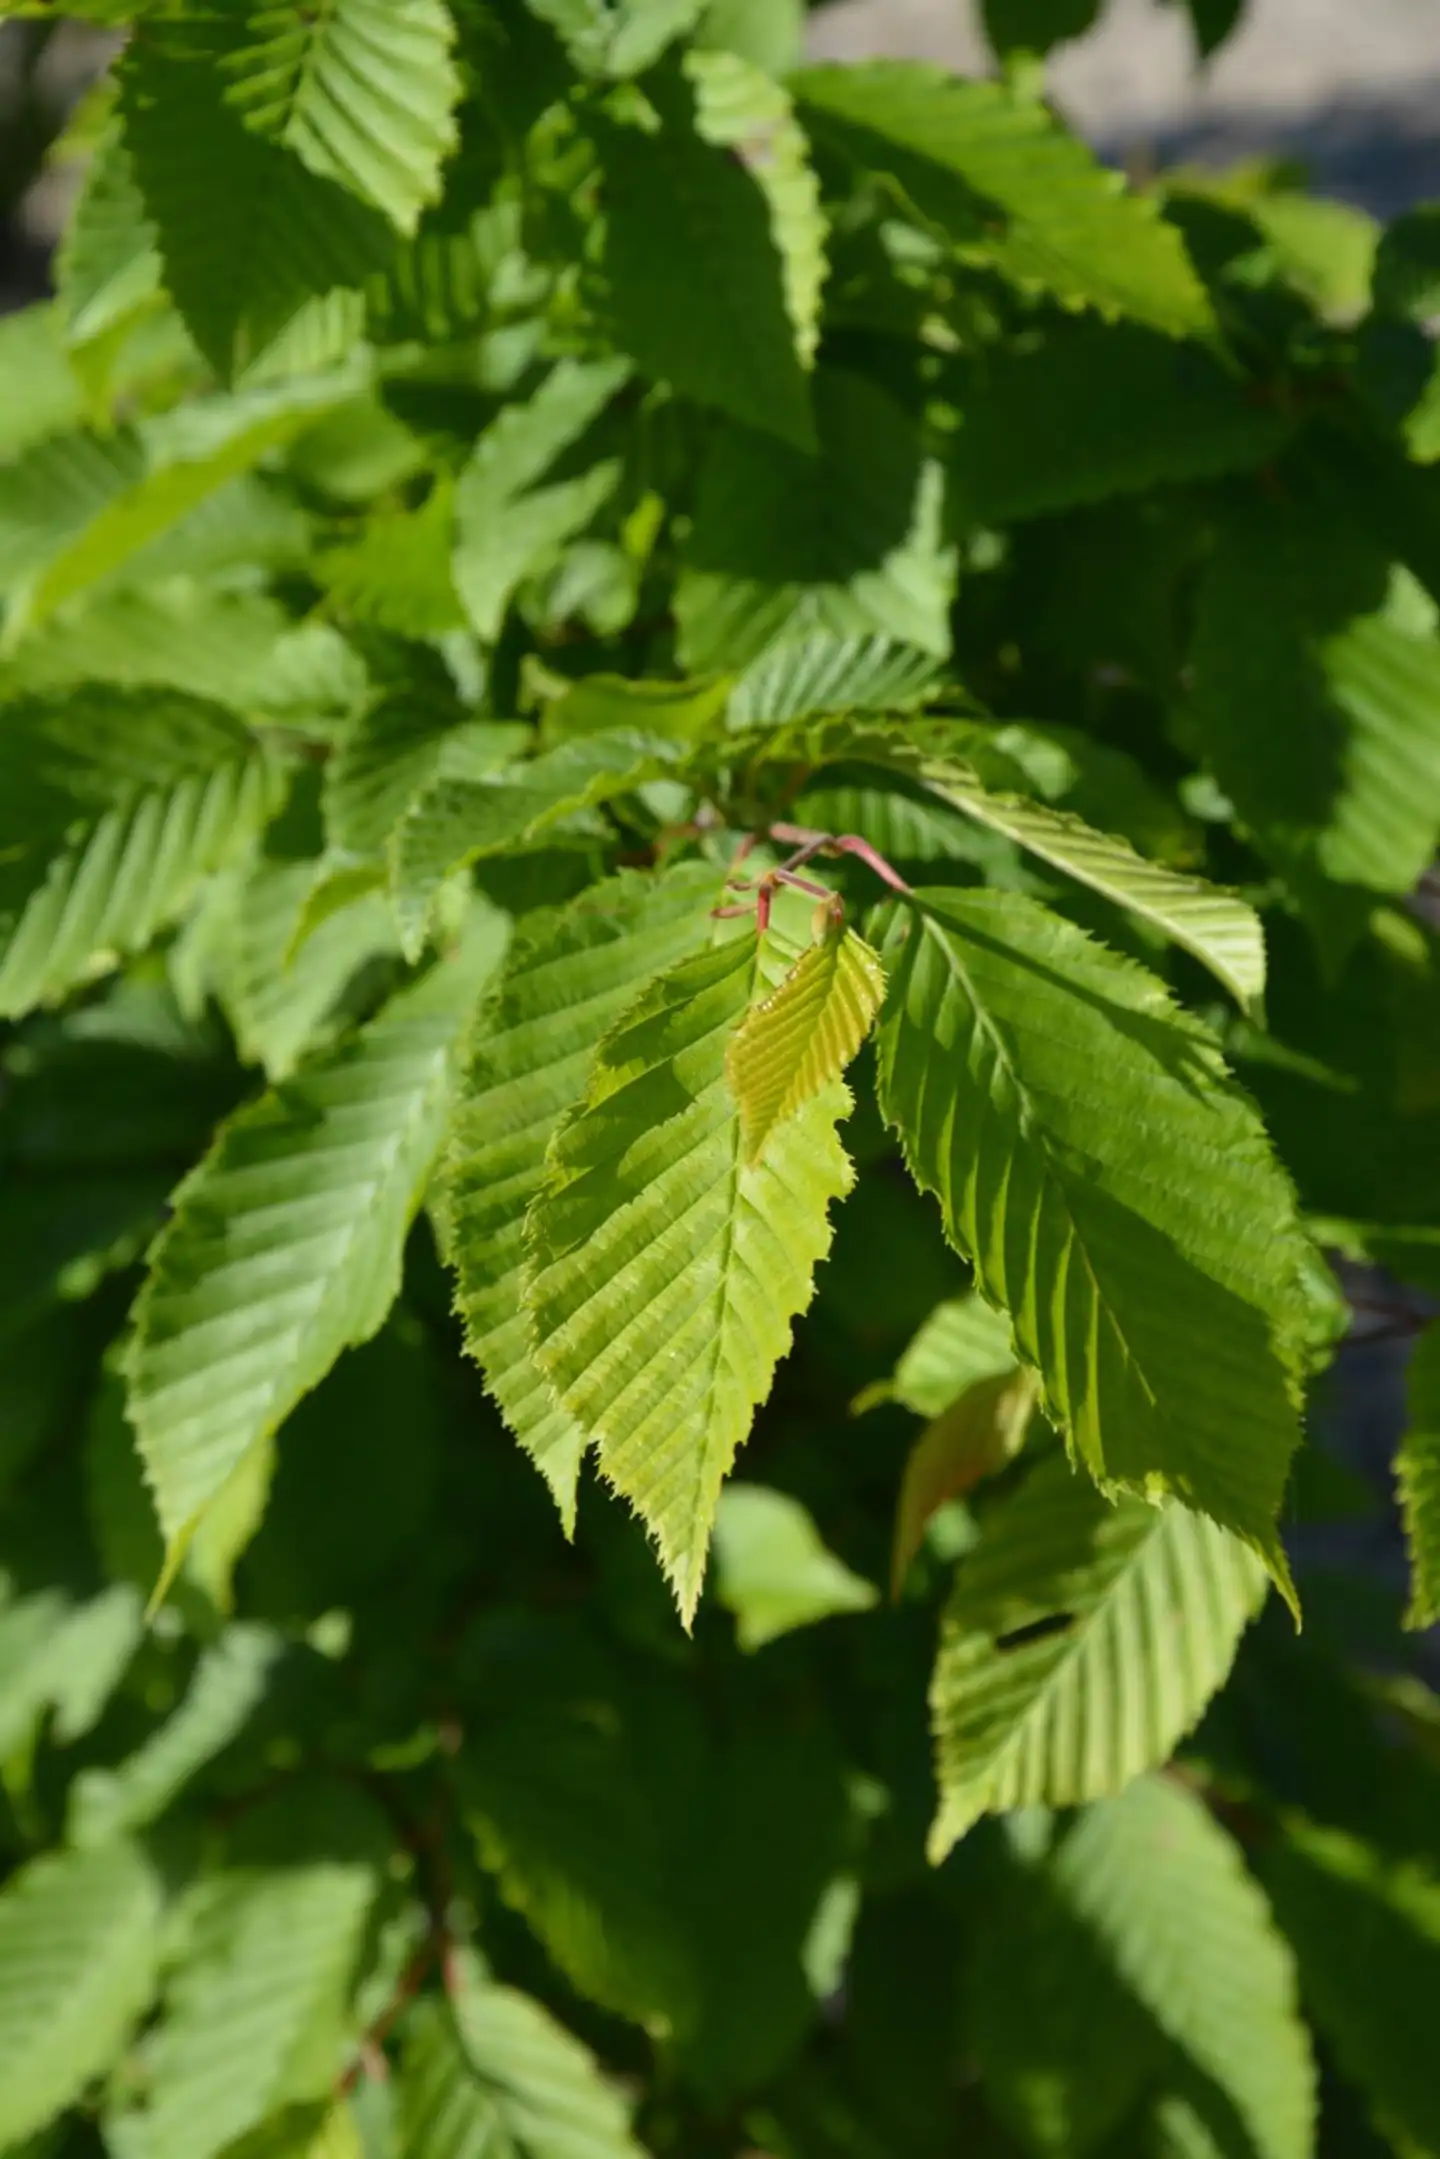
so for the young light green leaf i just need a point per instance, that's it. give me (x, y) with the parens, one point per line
(977, 1434)
(772, 1569)
(569, 978)
(461, 815)
(665, 1271)
(364, 91)
(1116, 1193)
(490, 2070)
(972, 155)
(113, 807)
(79, 1949)
(617, 37)
(685, 215)
(507, 525)
(1081, 1643)
(802, 1036)
(285, 1243)
(1418, 1469)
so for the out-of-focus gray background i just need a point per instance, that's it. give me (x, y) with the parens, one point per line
(1351, 86)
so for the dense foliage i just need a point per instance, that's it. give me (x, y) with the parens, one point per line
(699, 755)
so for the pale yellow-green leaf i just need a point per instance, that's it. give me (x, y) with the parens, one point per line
(803, 1035)
(980, 1432)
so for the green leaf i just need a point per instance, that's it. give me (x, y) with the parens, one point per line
(1080, 1644)
(704, 264)
(108, 266)
(1104, 410)
(1317, 684)
(569, 977)
(278, 974)
(963, 1342)
(1221, 930)
(1418, 1468)
(976, 1435)
(848, 543)
(507, 526)
(1367, 1935)
(285, 1243)
(797, 1040)
(681, 711)
(772, 1569)
(1033, 26)
(113, 806)
(68, 1660)
(79, 1946)
(742, 109)
(491, 2071)
(39, 395)
(397, 573)
(824, 673)
(254, 2017)
(616, 37)
(188, 457)
(248, 235)
(1116, 1193)
(54, 488)
(685, 1892)
(228, 1685)
(364, 91)
(1147, 1899)
(390, 752)
(461, 815)
(665, 1272)
(232, 648)
(969, 154)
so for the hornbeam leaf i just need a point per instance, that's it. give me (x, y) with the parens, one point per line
(665, 1270)
(285, 1243)
(1116, 1193)
(187, 457)
(569, 978)
(254, 244)
(364, 91)
(1012, 187)
(1222, 931)
(114, 805)
(1418, 1467)
(1140, 1952)
(79, 1949)
(1081, 1643)
(490, 2070)
(773, 1569)
(462, 815)
(256, 2011)
(977, 1434)
(803, 1035)
(713, 278)
(1367, 1932)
